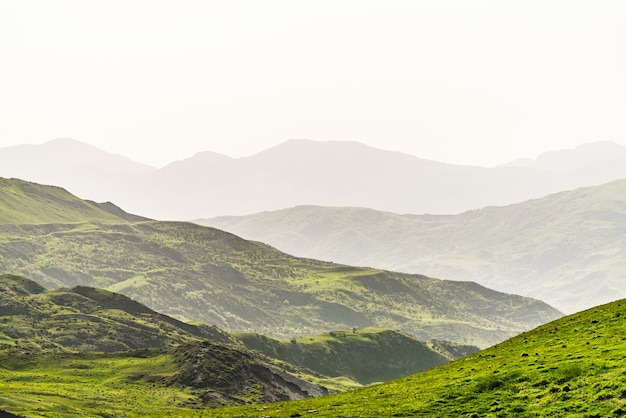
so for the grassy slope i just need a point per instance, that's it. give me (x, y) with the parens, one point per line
(365, 356)
(23, 202)
(85, 319)
(199, 273)
(44, 367)
(565, 248)
(570, 367)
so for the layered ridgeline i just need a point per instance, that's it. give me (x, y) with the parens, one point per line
(198, 273)
(567, 248)
(571, 367)
(52, 346)
(303, 172)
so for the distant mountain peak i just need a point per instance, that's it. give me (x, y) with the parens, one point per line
(66, 141)
(565, 160)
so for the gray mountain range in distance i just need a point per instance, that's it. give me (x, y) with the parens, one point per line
(305, 172)
(566, 249)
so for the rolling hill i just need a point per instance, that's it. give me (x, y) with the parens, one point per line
(340, 354)
(569, 367)
(87, 319)
(566, 248)
(23, 202)
(304, 172)
(573, 366)
(80, 348)
(203, 274)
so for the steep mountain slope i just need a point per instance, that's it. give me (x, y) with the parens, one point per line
(571, 367)
(199, 273)
(565, 248)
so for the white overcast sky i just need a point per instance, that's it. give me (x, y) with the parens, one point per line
(473, 82)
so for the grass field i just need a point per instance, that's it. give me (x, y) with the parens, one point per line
(572, 367)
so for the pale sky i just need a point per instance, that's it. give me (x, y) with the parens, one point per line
(471, 82)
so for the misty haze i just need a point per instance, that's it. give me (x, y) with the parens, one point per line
(287, 209)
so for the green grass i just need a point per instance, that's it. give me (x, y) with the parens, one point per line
(197, 273)
(83, 385)
(49, 341)
(83, 319)
(364, 356)
(571, 367)
(23, 202)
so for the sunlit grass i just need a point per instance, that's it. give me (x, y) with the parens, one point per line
(571, 367)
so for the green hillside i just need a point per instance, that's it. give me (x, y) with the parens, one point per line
(140, 382)
(23, 202)
(365, 356)
(35, 320)
(195, 273)
(566, 249)
(571, 367)
(52, 346)
(203, 274)
(51, 359)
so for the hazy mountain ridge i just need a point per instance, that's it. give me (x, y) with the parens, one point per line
(303, 172)
(566, 160)
(86, 170)
(199, 273)
(565, 248)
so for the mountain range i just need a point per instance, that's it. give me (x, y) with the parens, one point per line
(197, 273)
(566, 248)
(304, 172)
